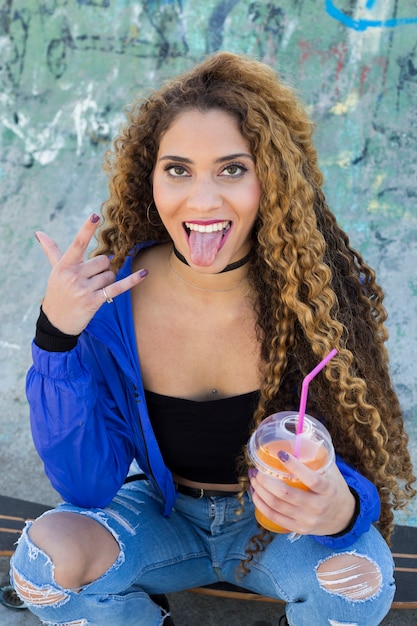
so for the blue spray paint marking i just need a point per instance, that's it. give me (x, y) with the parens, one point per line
(361, 25)
(104, 3)
(369, 4)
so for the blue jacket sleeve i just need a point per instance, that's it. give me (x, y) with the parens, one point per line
(369, 508)
(77, 427)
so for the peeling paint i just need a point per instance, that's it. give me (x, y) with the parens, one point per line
(350, 102)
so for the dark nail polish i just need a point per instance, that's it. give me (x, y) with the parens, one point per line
(94, 218)
(252, 472)
(143, 273)
(283, 456)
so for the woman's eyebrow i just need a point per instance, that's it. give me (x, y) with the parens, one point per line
(237, 155)
(173, 157)
(229, 157)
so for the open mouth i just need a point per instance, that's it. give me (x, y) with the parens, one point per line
(205, 239)
(214, 227)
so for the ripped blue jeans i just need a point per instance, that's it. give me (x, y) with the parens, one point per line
(202, 542)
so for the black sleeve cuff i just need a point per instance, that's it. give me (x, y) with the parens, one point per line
(50, 338)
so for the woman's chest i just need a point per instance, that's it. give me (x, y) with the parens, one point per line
(197, 354)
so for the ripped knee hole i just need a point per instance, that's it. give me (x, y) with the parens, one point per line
(42, 596)
(352, 576)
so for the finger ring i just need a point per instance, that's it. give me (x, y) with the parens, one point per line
(109, 300)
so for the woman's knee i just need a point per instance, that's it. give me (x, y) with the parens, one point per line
(350, 575)
(78, 549)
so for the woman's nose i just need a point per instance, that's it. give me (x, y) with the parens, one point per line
(204, 195)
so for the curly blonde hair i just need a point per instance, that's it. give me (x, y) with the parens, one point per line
(314, 291)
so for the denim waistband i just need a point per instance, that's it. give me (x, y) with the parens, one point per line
(198, 493)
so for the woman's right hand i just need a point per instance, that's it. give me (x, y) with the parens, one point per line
(75, 286)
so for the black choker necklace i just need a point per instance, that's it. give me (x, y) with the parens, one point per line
(228, 268)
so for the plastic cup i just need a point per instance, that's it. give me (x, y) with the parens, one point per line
(278, 432)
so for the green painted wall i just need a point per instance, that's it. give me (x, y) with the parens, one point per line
(68, 67)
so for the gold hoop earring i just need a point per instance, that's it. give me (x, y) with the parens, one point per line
(148, 217)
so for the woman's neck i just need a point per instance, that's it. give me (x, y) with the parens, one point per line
(228, 268)
(233, 281)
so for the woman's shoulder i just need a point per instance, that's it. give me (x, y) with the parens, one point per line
(140, 252)
(148, 255)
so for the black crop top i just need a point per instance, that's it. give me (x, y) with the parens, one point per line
(201, 441)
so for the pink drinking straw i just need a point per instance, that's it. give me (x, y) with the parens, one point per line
(303, 399)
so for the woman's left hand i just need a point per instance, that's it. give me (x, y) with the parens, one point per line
(326, 509)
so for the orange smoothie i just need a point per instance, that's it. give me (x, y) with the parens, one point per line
(313, 454)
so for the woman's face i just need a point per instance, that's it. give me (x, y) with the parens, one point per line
(205, 189)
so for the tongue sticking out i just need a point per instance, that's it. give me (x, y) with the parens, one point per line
(204, 246)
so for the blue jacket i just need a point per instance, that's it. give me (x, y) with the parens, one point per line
(89, 419)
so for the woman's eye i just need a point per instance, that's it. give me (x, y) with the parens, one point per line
(234, 169)
(176, 171)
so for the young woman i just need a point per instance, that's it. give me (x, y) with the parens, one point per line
(220, 280)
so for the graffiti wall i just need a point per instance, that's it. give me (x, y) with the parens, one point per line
(67, 68)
